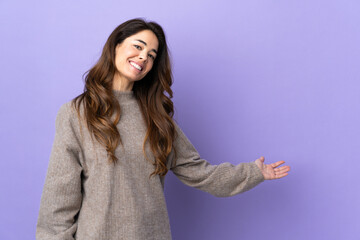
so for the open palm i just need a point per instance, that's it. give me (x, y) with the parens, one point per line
(272, 171)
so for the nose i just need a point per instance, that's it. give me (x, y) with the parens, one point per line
(143, 56)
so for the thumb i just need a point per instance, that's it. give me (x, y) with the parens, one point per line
(262, 159)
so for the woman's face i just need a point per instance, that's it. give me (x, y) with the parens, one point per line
(135, 56)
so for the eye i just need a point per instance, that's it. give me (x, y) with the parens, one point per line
(151, 56)
(138, 47)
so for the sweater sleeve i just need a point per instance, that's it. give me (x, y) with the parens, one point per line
(61, 197)
(223, 180)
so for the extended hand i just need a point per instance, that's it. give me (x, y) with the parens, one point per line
(271, 171)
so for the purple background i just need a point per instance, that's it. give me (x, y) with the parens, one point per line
(278, 79)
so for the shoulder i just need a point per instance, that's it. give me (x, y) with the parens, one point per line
(68, 125)
(179, 133)
(181, 141)
(65, 112)
(68, 110)
(67, 115)
(65, 108)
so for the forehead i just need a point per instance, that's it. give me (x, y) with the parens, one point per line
(147, 36)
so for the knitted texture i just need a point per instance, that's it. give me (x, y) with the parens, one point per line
(86, 198)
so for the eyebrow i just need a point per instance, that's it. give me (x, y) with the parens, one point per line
(145, 44)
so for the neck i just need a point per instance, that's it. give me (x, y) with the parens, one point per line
(122, 84)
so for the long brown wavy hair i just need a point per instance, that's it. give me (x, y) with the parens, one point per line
(157, 108)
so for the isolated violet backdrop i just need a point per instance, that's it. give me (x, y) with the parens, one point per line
(278, 79)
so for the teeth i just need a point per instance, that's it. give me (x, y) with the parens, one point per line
(136, 66)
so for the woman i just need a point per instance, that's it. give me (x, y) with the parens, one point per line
(115, 142)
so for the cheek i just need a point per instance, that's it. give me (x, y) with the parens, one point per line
(121, 60)
(129, 51)
(125, 53)
(118, 60)
(149, 67)
(118, 63)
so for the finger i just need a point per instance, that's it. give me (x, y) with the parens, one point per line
(280, 175)
(276, 164)
(281, 172)
(260, 160)
(277, 176)
(282, 169)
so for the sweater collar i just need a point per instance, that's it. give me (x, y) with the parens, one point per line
(124, 96)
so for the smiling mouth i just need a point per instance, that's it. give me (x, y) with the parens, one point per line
(136, 66)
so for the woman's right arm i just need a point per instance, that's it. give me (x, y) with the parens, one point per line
(61, 198)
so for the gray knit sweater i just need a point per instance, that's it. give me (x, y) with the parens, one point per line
(86, 198)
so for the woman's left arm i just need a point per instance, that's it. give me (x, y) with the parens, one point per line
(221, 180)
